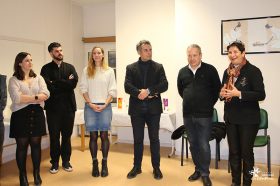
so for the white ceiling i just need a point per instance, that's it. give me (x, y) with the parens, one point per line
(90, 2)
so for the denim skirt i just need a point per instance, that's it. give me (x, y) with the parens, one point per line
(98, 121)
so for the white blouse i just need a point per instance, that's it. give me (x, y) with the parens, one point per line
(100, 86)
(17, 88)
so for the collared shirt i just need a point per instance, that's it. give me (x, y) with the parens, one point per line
(194, 70)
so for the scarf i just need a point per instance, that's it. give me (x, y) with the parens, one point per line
(233, 72)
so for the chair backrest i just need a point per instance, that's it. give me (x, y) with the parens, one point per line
(215, 116)
(264, 119)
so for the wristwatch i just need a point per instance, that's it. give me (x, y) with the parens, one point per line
(36, 97)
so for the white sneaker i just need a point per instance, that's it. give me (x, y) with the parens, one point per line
(54, 168)
(67, 167)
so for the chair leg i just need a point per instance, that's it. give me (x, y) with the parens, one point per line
(182, 152)
(187, 148)
(217, 155)
(268, 158)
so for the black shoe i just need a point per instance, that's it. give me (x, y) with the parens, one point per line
(157, 174)
(67, 166)
(206, 181)
(195, 176)
(104, 169)
(23, 179)
(95, 169)
(54, 168)
(133, 173)
(37, 178)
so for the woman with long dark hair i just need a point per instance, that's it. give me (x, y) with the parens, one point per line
(28, 92)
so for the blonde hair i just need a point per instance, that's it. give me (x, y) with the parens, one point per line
(91, 69)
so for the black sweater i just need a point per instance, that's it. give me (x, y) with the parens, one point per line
(200, 92)
(61, 88)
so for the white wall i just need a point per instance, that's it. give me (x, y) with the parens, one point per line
(99, 19)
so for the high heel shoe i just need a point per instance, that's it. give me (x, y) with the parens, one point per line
(95, 169)
(23, 179)
(37, 178)
(104, 169)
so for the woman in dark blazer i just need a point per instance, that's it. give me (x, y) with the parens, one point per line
(243, 89)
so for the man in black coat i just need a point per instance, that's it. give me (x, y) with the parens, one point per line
(3, 102)
(61, 79)
(144, 81)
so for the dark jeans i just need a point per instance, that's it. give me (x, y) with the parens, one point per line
(241, 142)
(60, 123)
(199, 131)
(138, 124)
(2, 130)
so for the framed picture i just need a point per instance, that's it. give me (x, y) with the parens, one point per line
(112, 64)
(259, 34)
(112, 59)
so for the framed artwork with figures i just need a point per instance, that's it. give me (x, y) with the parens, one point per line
(259, 34)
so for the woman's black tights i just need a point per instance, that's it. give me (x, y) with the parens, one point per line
(105, 144)
(21, 152)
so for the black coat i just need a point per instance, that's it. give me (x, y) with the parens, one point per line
(156, 82)
(3, 95)
(245, 110)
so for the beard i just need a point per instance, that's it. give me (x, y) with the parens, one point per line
(58, 58)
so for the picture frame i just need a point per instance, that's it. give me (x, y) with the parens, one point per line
(112, 64)
(260, 34)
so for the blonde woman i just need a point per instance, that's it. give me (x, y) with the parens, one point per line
(98, 86)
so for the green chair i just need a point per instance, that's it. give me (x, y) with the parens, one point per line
(263, 140)
(185, 140)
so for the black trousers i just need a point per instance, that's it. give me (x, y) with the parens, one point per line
(2, 130)
(138, 125)
(241, 143)
(60, 123)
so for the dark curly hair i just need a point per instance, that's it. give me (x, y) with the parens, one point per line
(239, 44)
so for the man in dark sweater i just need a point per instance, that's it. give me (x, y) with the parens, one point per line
(199, 85)
(61, 79)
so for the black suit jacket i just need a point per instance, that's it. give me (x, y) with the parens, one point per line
(3, 95)
(245, 110)
(156, 82)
